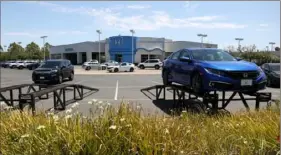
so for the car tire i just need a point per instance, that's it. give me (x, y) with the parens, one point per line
(20, 67)
(87, 68)
(165, 78)
(156, 67)
(142, 67)
(30, 68)
(116, 70)
(131, 69)
(196, 83)
(71, 77)
(60, 79)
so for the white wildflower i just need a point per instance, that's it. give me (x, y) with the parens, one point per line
(113, 127)
(84, 117)
(128, 125)
(68, 116)
(50, 113)
(90, 102)
(184, 111)
(52, 109)
(138, 107)
(122, 119)
(109, 104)
(68, 111)
(2, 103)
(56, 117)
(25, 136)
(8, 107)
(188, 131)
(167, 131)
(100, 102)
(41, 127)
(75, 105)
(245, 141)
(181, 152)
(101, 107)
(94, 100)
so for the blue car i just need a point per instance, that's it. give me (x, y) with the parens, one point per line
(207, 69)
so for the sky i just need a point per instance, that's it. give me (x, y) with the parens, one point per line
(257, 22)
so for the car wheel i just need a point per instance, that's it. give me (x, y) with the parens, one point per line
(30, 68)
(142, 67)
(87, 68)
(116, 70)
(166, 78)
(71, 76)
(131, 69)
(268, 84)
(60, 79)
(197, 83)
(157, 67)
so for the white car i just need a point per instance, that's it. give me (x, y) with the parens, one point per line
(90, 64)
(152, 63)
(111, 63)
(123, 67)
(13, 64)
(23, 64)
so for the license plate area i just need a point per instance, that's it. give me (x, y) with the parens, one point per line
(246, 82)
(42, 77)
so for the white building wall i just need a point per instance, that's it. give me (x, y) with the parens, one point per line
(177, 45)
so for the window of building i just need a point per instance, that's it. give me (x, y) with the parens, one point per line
(144, 57)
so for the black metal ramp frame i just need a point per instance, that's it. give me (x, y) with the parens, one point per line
(210, 100)
(11, 89)
(59, 95)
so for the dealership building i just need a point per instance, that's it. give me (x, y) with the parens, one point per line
(122, 49)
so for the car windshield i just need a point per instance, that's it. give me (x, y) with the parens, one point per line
(212, 55)
(275, 67)
(51, 64)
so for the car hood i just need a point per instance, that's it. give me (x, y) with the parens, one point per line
(229, 65)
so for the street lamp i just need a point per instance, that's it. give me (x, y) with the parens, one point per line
(133, 32)
(43, 37)
(239, 46)
(271, 43)
(99, 32)
(202, 36)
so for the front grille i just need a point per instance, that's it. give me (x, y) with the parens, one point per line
(242, 75)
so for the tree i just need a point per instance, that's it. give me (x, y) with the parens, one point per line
(15, 50)
(33, 51)
(277, 49)
(230, 48)
(1, 49)
(46, 49)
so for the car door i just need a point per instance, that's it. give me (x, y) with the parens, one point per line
(185, 68)
(64, 69)
(69, 68)
(122, 67)
(174, 66)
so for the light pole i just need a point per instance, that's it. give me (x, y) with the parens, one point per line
(133, 32)
(202, 36)
(99, 32)
(239, 46)
(271, 43)
(43, 37)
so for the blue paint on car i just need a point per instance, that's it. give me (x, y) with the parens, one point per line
(215, 69)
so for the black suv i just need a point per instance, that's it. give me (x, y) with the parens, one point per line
(53, 71)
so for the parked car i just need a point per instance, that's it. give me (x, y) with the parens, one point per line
(13, 64)
(111, 63)
(208, 69)
(123, 67)
(151, 63)
(90, 64)
(272, 71)
(53, 71)
(6, 64)
(34, 65)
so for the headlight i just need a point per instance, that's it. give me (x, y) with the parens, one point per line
(214, 71)
(54, 71)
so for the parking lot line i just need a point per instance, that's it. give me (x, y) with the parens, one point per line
(116, 91)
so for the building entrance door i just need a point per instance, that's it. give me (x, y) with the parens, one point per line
(118, 57)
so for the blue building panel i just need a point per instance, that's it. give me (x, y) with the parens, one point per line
(121, 46)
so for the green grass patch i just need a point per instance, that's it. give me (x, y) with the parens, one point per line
(125, 131)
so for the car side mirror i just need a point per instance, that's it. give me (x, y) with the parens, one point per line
(238, 59)
(185, 59)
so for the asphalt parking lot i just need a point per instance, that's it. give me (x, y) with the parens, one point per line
(115, 88)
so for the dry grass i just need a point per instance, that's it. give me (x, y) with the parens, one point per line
(125, 131)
